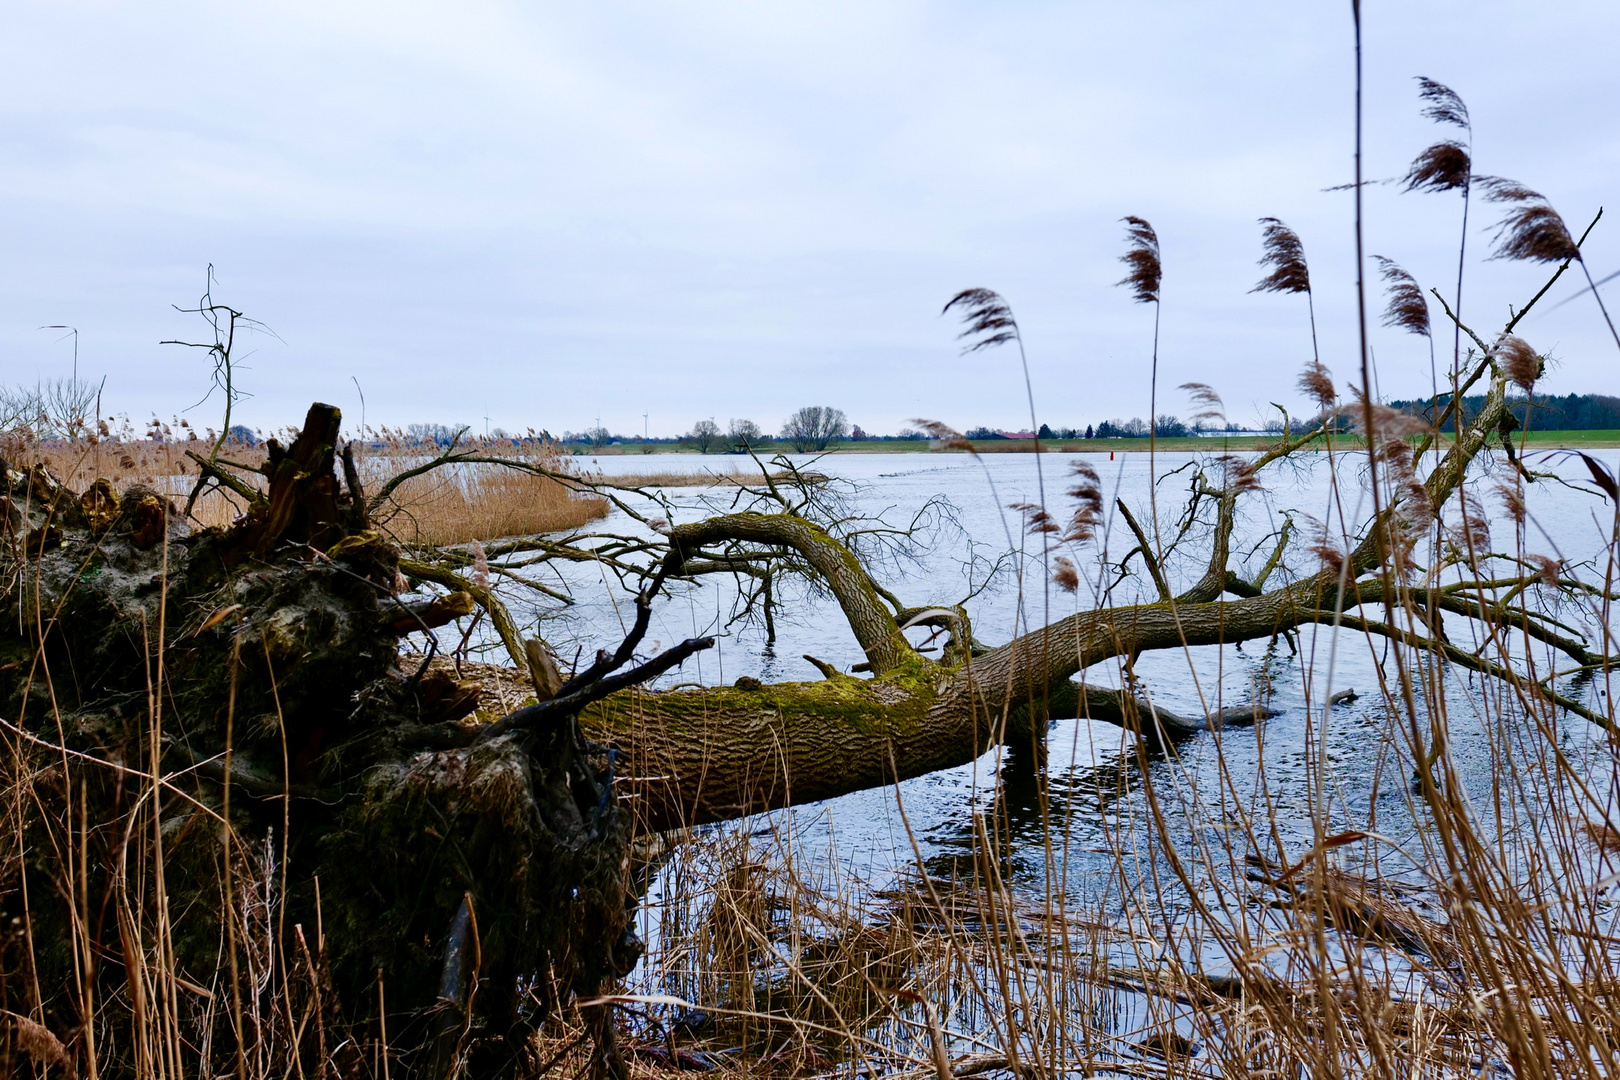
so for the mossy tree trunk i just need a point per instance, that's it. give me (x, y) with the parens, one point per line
(704, 755)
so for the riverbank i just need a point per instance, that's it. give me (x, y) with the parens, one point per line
(1536, 440)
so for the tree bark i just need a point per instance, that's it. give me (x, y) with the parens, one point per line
(698, 756)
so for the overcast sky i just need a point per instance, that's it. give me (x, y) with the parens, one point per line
(546, 213)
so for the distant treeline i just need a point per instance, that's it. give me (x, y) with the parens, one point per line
(1572, 412)
(814, 428)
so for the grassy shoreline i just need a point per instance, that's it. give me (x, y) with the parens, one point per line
(1538, 440)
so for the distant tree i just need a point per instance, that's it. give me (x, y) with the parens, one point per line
(1090, 432)
(982, 432)
(744, 434)
(67, 407)
(1170, 427)
(1571, 412)
(1134, 428)
(433, 433)
(705, 435)
(910, 433)
(1045, 433)
(813, 427)
(857, 435)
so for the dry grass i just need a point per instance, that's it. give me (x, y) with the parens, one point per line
(1231, 924)
(162, 466)
(486, 502)
(451, 505)
(1498, 954)
(1493, 950)
(447, 506)
(733, 477)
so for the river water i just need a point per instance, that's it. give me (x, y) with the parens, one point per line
(1092, 831)
(956, 508)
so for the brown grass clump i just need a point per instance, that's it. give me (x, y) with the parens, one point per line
(486, 502)
(735, 477)
(160, 465)
(450, 505)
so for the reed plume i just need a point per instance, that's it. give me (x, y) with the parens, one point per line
(1445, 104)
(1036, 519)
(1382, 420)
(1407, 309)
(1142, 257)
(988, 322)
(1282, 251)
(1285, 255)
(1239, 473)
(1531, 230)
(1087, 494)
(1512, 496)
(1064, 574)
(1205, 401)
(1146, 273)
(1326, 549)
(1394, 452)
(988, 319)
(1547, 569)
(1317, 383)
(1207, 405)
(1447, 165)
(1518, 361)
(945, 437)
(1472, 532)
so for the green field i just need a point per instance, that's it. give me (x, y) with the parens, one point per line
(1540, 440)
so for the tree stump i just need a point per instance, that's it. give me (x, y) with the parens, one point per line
(256, 670)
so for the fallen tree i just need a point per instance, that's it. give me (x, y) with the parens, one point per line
(213, 730)
(709, 754)
(723, 752)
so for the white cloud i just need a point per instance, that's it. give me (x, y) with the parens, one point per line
(549, 212)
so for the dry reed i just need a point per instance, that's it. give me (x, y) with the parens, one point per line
(451, 505)
(1226, 936)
